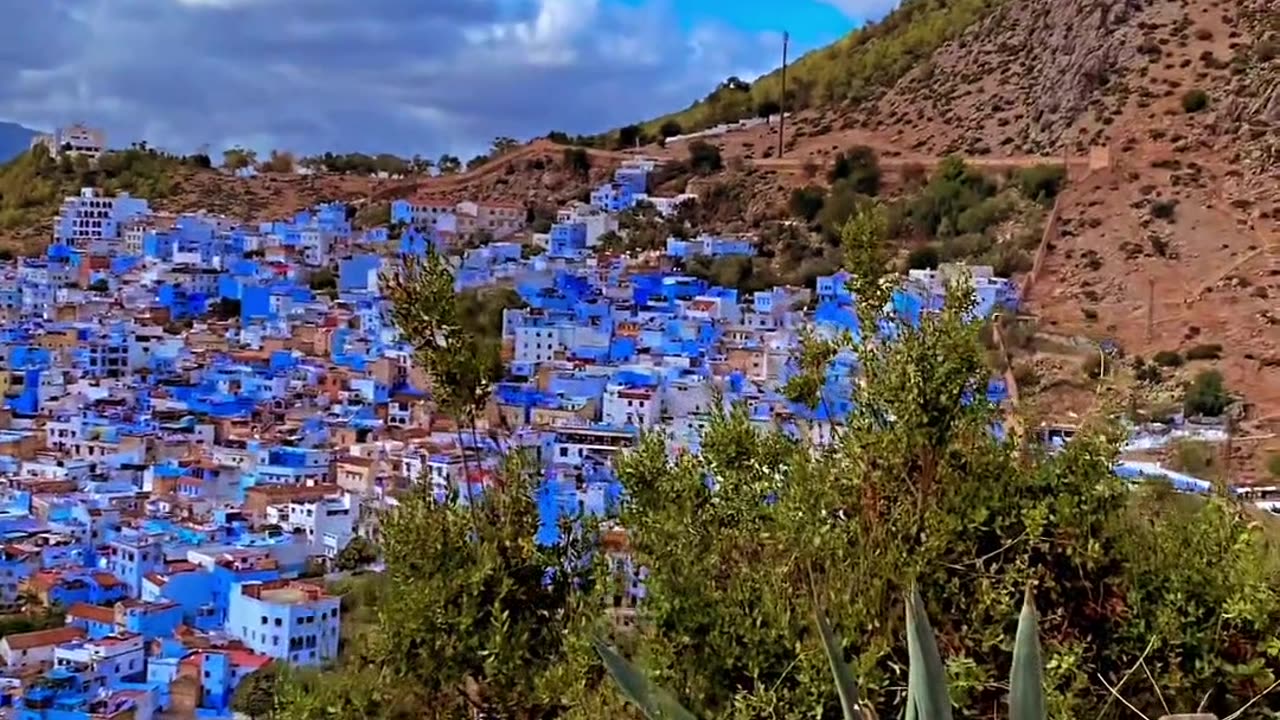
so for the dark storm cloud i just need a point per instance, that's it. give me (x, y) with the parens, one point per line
(311, 75)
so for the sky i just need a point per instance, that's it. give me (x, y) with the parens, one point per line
(402, 76)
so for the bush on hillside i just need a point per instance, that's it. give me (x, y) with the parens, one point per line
(806, 202)
(1168, 358)
(1207, 395)
(1193, 101)
(704, 158)
(860, 167)
(1206, 351)
(1042, 182)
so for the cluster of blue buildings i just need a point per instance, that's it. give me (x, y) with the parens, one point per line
(201, 413)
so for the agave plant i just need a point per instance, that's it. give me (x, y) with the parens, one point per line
(927, 694)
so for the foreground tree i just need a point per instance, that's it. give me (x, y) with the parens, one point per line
(477, 618)
(917, 489)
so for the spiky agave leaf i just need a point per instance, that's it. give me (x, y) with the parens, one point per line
(1026, 677)
(846, 686)
(927, 678)
(653, 701)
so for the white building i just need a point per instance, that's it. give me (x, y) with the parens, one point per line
(290, 621)
(636, 406)
(78, 139)
(91, 217)
(537, 344)
(329, 523)
(114, 657)
(36, 648)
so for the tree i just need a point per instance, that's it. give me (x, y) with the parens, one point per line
(323, 279)
(255, 696)
(806, 202)
(477, 161)
(742, 539)
(670, 128)
(477, 618)
(358, 553)
(101, 285)
(448, 164)
(503, 145)
(281, 161)
(238, 158)
(1207, 395)
(577, 160)
(704, 158)
(629, 136)
(860, 166)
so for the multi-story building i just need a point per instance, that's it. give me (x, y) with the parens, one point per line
(92, 217)
(287, 620)
(77, 139)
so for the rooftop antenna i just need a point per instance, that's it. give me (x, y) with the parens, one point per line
(782, 103)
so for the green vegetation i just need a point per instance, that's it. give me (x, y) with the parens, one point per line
(1205, 351)
(854, 69)
(373, 215)
(704, 158)
(1273, 465)
(1193, 101)
(358, 553)
(1041, 183)
(1168, 358)
(860, 166)
(323, 280)
(33, 185)
(914, 491)
(807, 202)
(1207, 395)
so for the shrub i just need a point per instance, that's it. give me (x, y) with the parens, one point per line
(1193, 101)
(1207, 351)
(1273, 465)
(670, 128)
(1042, 182)
(704, 158)
(1168, 358)
(860, 166)
(1191, 456)
(1267, 50)
(1164, 209)
(984, 215)
(806, 202)
(1207, 395)
(1145, 372)
(925, 257)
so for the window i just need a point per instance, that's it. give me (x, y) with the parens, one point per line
(279, 623)
(264, 619)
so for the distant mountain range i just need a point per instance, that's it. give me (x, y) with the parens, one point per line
(14, 140)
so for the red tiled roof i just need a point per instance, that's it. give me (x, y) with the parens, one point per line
(43, 638)
(92, 613)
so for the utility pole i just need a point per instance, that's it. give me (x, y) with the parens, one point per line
(1151, 305)
(782, 103)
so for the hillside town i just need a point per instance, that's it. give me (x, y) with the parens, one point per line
(204, 417)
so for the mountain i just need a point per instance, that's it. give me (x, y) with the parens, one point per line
(14, 140)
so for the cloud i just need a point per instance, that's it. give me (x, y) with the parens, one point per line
(403, 76)
(864, 9)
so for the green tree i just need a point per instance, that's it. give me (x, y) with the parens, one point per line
(255, 696)
(358, 553)
(448, 164)
(670, 128)
(577, 160)
(100, 285)
(238, 158)
(323, 279)
(1207, 395)
(704, 158)
(806, 202)
(860, 166)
